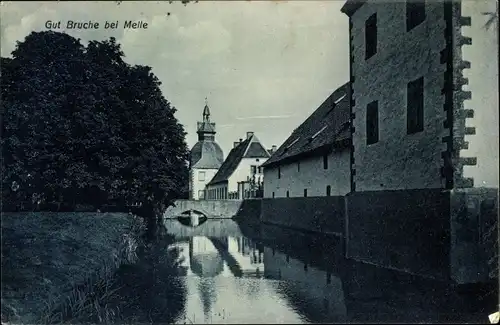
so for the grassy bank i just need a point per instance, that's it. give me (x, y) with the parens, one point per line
(50, 260)
(146, 291)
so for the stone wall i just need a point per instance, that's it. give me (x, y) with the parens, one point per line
(250, 210)
(447, 235)
(404, 230)
(398, 160)
(474, 235)
(432, 50)
(318, 214)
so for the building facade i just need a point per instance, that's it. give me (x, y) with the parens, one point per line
(315, 159)
(424, 182)
(409, 117)
(243, 164)
(205, 159)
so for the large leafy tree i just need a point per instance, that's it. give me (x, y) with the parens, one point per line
(80, 125)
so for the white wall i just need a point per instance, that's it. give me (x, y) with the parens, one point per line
(483, 83)
(196, 184)
(311, 176)
(242, 171)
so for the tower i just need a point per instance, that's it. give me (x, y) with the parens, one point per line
(206, 156)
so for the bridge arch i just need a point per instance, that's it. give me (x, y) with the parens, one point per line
(202, 213)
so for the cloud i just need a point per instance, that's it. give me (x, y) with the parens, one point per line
(264, 117)
(254, 56)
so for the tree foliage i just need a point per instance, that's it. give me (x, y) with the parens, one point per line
(80, 125)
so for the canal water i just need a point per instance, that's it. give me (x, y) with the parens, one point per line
(225, 272)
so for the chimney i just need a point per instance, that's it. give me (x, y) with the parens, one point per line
(241, 140)
(249, 134)
(235, 144)
(274, 148)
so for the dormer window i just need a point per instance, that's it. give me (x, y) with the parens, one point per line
(338, 100)
(317, 133)
(293, 142)
(290, 145)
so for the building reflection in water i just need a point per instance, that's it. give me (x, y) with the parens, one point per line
(218, 293)
(205, 259)
(296, 278)
(316, 294)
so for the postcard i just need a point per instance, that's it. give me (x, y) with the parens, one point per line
(177, 162)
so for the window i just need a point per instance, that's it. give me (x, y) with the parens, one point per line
(273, 195)
(328, 190)
(371, 36)
(305, 192)
(372, 123)
(287, 193)
(325, 161)
(201, 194)
(253, 170)
(415, 106)
(298, 166)
(201, 176)
(415, 13)
(279, 172)
(259, 170)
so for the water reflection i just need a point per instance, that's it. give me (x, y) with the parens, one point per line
(233, 273)
(316, 293)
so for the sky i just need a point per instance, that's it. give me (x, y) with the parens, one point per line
(264, 66)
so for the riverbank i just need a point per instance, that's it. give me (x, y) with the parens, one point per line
(51, 261)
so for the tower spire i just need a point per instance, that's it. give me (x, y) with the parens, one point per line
(206, 111)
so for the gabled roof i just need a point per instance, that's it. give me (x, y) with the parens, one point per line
(250, 148)
(326, 126)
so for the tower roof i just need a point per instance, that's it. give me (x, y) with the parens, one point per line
(206, 129)
(206, 111)
(206, 153)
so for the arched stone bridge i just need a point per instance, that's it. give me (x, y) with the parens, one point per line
(215, 209)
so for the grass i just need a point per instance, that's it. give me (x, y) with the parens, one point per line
(145, 291)
(51, 260)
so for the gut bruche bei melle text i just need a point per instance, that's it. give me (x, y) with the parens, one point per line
(70, 24)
